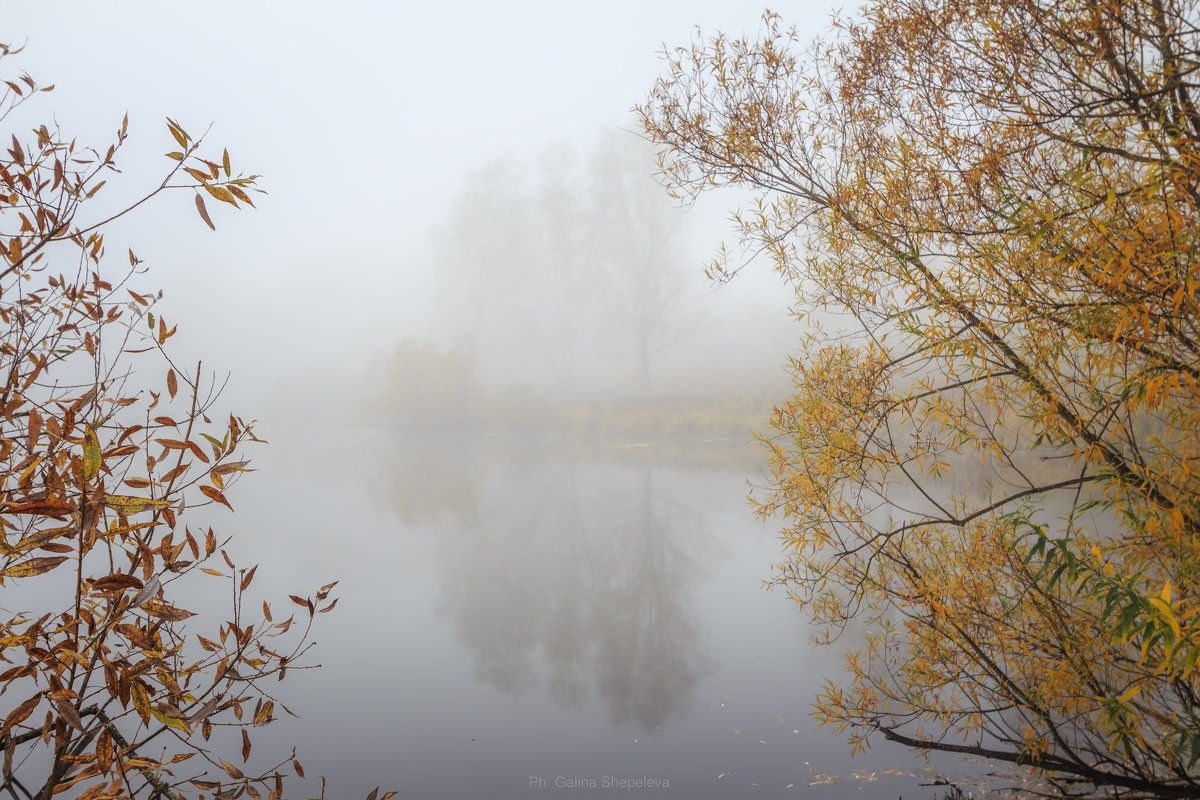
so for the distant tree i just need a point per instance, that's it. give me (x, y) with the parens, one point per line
(419, 385)
(545, 269)
(638, 249)
(997, 462)
(109, 694)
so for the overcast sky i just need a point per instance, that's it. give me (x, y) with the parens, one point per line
(363, 118)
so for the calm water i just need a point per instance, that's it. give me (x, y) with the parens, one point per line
(522, 625)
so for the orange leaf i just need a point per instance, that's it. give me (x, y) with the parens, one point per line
(215, 494)
(48, 508)
(198, 452)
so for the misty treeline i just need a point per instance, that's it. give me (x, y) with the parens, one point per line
(568, 292)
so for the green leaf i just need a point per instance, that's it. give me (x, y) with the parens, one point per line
(170, 722)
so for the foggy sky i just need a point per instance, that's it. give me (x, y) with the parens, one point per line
(363, 118)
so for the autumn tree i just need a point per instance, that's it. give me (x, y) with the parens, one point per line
(991, 459)
(106, 446)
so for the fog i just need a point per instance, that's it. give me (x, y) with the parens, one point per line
(462, 250)
(367, 122)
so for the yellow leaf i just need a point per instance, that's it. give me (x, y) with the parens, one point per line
(130, 504)
(91, 454)
(141, 702)
(31, 567)
(1168, 616)
(178, 132)
(1130, 693)
(222, 194)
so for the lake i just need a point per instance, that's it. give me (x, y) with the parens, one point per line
(519, 622)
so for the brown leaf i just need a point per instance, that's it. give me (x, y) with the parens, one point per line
(249, 576)
(69, 714)
(165, 611)
(172, 380)
(104, 750)
(197, 174)
(241, 195)
(245, 746)
(207, 709)
(20, 714)
(195, 448)
(203, 211)
(35, 428)
(117, 580)
(174, 473)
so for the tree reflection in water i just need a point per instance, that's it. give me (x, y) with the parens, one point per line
(567, 577)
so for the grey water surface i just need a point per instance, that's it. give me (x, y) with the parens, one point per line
(520, 623)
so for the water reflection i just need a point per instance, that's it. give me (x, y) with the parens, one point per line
(511, 613)
(563, 577)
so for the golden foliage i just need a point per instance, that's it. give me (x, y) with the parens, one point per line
(997, 462)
